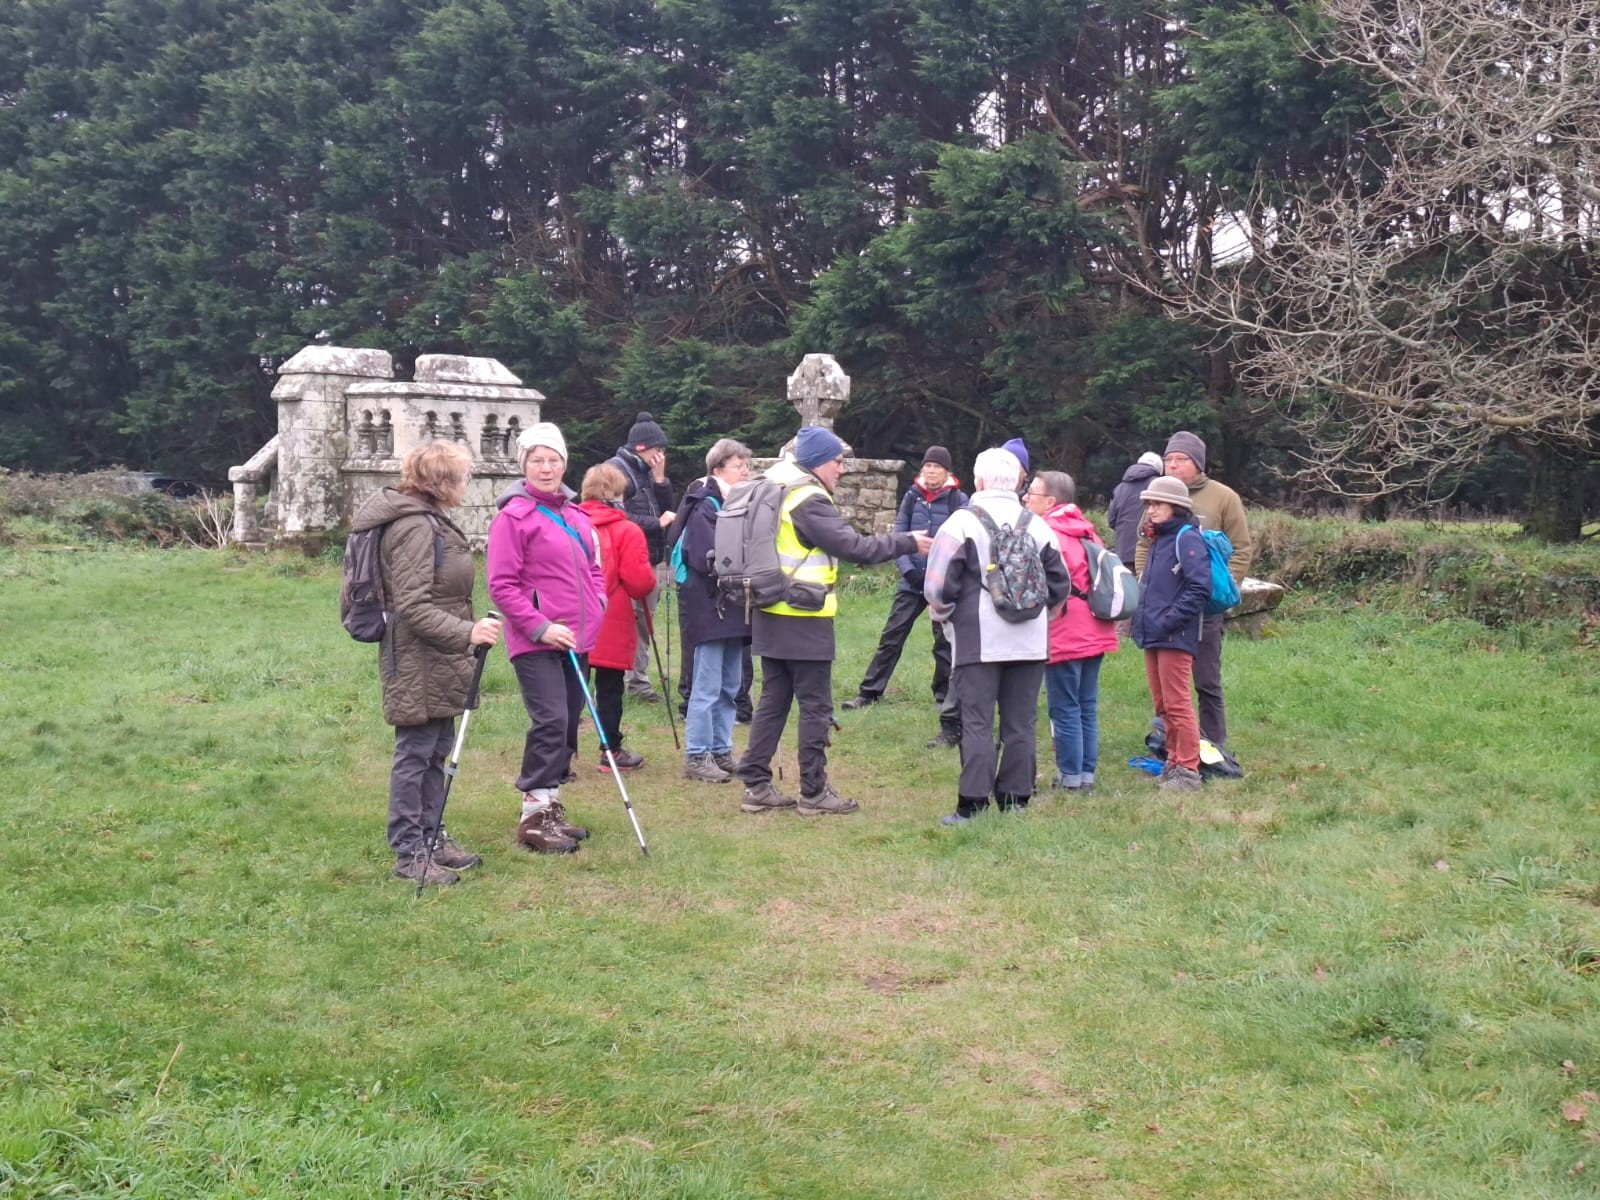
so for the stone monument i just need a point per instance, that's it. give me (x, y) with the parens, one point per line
(869, 492)
(344, 423)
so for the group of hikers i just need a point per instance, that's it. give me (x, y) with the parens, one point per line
(1004, 573)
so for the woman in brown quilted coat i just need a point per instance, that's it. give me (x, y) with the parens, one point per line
(425, 659)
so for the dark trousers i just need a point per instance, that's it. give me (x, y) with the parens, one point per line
(1208, 682)
(416, 782)
(904, 610)
(553, 695)
(608, 703)
(1006, 768)
(784, 681)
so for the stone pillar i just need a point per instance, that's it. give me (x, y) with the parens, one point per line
(312, 435)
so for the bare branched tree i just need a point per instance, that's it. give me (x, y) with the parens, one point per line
(1406, 325)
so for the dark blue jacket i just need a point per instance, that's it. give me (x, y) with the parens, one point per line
(917, 513)
(1126, 510)
(706, 617)
(1173, 589)
(644, 500)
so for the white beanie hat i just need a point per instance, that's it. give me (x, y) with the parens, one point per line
(542, 433)
(1151, 459)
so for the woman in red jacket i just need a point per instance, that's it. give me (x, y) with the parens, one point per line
(629, 577)
(1079, 640)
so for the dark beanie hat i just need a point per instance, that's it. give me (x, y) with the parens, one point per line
(1016, 447)
(646, 432)
(814, 445)
(1184, 442)
(939, 456)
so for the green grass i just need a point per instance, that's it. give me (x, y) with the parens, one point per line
(1368, 969)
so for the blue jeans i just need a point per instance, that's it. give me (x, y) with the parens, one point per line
(1072, 692)
(718, 671)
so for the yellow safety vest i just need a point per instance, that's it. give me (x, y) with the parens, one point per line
(807, 564)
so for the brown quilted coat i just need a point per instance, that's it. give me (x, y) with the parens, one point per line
(425, 658)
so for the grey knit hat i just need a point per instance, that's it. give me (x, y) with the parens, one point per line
(1168, 489)
(1184, 442)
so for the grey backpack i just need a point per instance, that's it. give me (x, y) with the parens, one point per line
(1014, 574)
(744, 556)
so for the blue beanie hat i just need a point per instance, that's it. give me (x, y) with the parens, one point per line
(814, 445)
(1016, 447)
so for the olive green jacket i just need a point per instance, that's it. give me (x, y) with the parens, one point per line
(425, 658)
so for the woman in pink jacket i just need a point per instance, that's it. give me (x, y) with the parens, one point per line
(545, 578)
(1078, 638)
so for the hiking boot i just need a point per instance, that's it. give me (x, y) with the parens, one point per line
(625, 761)
(702, 768)
(643, 691)
(449, 854)
(417, 867)
(1181, 779)
(764, 798)
(744, 715)
(541, 832)
(576, 832)
(570, 777)
(830, 803)
(946, 737)
(952, 820)
(861, 701)
(725, 761)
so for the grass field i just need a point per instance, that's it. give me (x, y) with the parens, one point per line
(1368, 969)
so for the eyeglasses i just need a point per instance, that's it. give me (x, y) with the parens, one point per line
(1033, 495)
(546, 464)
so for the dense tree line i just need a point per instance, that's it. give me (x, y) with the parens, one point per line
(651, 204)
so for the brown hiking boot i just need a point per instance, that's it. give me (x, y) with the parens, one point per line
(702, 768)
(725, 761)
(1181, 779)
(764, 798)
(417, 866)
(830, 803)
(576, 832)
(449, 854)
(541, 833)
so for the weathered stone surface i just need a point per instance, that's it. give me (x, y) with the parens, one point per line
(339, 360)
(459, 368)
(818, 389)
(1257, 599)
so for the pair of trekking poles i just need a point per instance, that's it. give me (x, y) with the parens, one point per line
(432, 838)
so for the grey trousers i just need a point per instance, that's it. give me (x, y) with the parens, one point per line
(416, 782)
(1208, 682)
(1005, 768)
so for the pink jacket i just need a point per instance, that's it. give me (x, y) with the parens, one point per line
(539, 573)
(1075, 632)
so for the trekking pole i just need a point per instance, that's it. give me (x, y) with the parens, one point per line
(431, 839)
(605, 744)
(650, 630)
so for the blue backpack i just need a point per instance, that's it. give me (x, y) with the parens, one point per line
(1224, 591)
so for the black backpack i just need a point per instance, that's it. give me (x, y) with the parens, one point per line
(363, 608)
(1014, 575)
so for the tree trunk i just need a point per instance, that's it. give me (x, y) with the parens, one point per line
(1555, 494)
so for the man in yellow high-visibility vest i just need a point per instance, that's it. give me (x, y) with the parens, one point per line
(794, 638)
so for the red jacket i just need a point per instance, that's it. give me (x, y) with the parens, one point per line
(1075, 632)
(626, 564)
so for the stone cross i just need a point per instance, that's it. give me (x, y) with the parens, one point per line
(818, 389)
